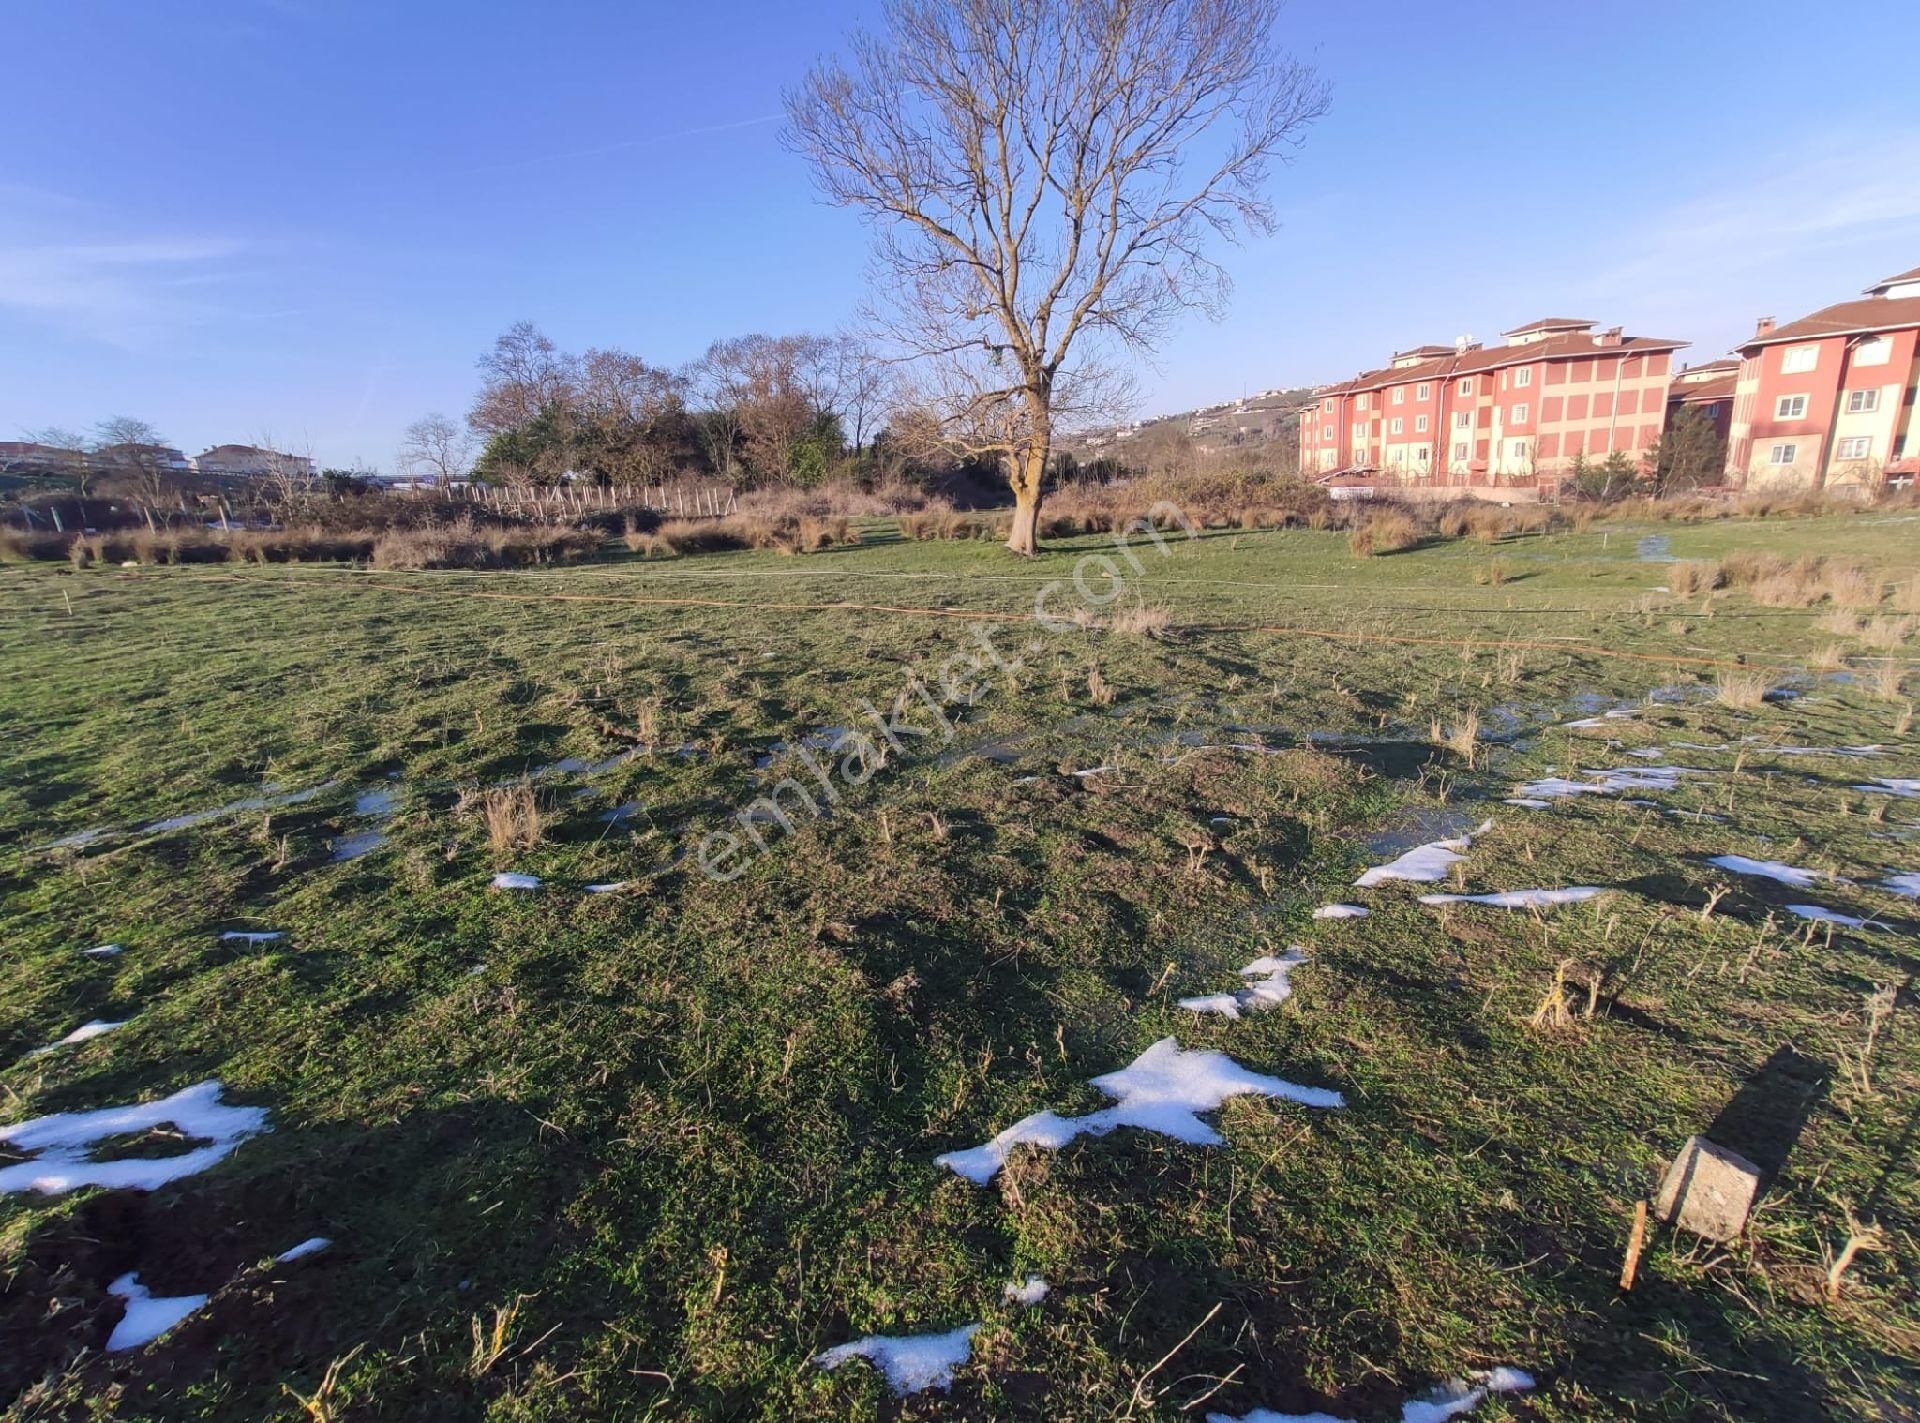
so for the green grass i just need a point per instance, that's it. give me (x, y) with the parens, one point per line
(684, 1134)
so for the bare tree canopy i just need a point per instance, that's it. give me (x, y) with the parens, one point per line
(133, 454)
(524, 374)
(1044, 177)
(436, 447)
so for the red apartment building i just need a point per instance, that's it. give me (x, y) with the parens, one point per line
(1708, 389)
(1829, 399)
(1468, 415)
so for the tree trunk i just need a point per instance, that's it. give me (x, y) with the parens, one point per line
(1027, 472)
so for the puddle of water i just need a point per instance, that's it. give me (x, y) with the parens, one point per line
(379, 802)
(1421, 826)
(1654, 548)
(352, 847)
(269, 799)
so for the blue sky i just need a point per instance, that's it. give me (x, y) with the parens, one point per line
(303, 219)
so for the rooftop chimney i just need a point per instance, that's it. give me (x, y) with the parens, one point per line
(1609, 337)
(1763, 327)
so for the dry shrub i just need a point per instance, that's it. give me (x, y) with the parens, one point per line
(1492, 575)
(1745, 687)
(1830, 658)
(1694, 577)
(1906, 595)
(1454, 523)
(1384, 531)
(1842, 621)
(1885, 632)
(1461, 737)
(1847, 585)
(1790, 589)
(1745, 566)
(1888, 681)
(512, 817)
(1140, 621)
(466, 544)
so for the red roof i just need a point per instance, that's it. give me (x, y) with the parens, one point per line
(1703, 392)
(1573, 345)
(1912, 274)
(1848, 318)
(1550, 323)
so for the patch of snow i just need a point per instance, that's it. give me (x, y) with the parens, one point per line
(252, 936)
(1269, 990)
(1884, 785)
(63, 1140)
(609, 887)
(1457, 1397)
(1820, 915)
(1518, 898)
(1648, 753)
(1904, 883)
(1341, 911)
(1093, 771)
(1769, 869)
(1267, 1415)
(1030, 1292)
(1624, 778)
(1530, 803)
(910, 1362)
(80, 1034)
(510, 881)
(377, 803)
(313, 1245)
(1854, 752)
(268, 799)
(146, 1318)
(1163, 1090)
(103, 951)
(1424, 863)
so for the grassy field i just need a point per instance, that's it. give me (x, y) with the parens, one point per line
(643, 1153)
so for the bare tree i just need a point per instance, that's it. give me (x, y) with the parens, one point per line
(64, 453)
(523, 375)
(1044, 176)
(436, 447)
(760, 396)
(134, 453)
(629, 415)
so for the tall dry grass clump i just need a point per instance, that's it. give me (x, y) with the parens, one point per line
(1744, 688)
(1462, 737)
(1695, 576)
(512, 817)
(1886, 633)
(1847, 585)
(1384, 531)
(1140, 621)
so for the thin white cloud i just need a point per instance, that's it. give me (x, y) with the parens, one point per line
(124, 293)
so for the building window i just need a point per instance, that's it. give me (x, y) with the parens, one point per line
(1327, 405)
(1399, 425)
(1462, 420)
(1875, 352)
(1360, 403)
(1520, 449)
(1466, 386)
(1854, 447)
(1399, 395)
(1800, 358)
(1790, 407)
(1520, 413)
(1326, 432)
(1460, 449)
(1523, 376)
(1862, 402)
(1419, 424)
(1423, 391)
(1782, 454)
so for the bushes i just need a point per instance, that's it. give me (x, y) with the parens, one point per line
(1688, 578)
(1383, 531)
(466, 545)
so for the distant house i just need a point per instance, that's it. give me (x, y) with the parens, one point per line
(30, 457)
(1707, 388)
(109, 458)
(252, 462)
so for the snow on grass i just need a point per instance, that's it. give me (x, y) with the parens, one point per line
(1769, 869)
(271, 798)
(1028, 1292)
(147, 1318)
(252, 936)
(1852, 752)
(1341, 911)
(1447, 1401)
(910, 1362)
(1530, 802)
(104, 951)
(1519, 898)
(1625, 778)
(609, 887)
(511, 881)
(1163, 1090)
(1424, 863)
(313, 1245)
(1907, 883)
(63, 1141)
(80, 1034)
(1457, 1397)
(1270, 987)
(1820, 915)
(1892, 785)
